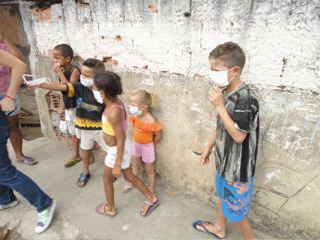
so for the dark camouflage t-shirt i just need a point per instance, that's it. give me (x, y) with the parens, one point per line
(236, 162)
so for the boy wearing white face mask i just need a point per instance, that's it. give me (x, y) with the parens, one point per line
(89, 109)
(235, 140)
(67, 73)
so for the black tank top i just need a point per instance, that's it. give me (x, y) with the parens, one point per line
(69, 102)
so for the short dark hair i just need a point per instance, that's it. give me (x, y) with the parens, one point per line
(65, 50)
(230, 53)
(94, 64)
(109, 83)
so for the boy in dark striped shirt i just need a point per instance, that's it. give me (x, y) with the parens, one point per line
(235, 140)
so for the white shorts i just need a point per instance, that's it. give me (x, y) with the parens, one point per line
(89, 137)
(70, 116)
(112, 153)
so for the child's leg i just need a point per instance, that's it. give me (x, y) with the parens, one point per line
(219, 227)
(75, 147)
(109, 190)
(151, 175)
(85, 154)
(245, 229)
(136, 182)
(136, 164)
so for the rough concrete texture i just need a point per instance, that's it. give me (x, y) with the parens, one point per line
(157, 45)
(76, 217)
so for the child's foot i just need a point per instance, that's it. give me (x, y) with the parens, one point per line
(83, 179)
(149, 207)
(103, 209)
(73, 161)
(9, 205)
(209, 228)
(45, 218)
(127, 188)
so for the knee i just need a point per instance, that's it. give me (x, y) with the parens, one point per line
(107, 179)
(150, 170)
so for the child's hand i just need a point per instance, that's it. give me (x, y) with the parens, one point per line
(205, 156)
(57, 68)
(116, 171)
(216, 97)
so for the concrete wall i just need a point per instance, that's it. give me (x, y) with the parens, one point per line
(162, 45)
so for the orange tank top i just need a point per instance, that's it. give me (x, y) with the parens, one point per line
(144, 132)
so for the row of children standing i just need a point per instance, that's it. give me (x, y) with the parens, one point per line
(94, 113)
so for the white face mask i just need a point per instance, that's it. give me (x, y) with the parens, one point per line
(86, 81)
(134, 110)
(97, 96)
(219, 78)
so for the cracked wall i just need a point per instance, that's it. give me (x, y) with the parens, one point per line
(163, 45)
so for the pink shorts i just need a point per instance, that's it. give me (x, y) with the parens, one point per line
(145, 151)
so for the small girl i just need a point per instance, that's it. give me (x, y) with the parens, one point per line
(114, 126)
(147, 133)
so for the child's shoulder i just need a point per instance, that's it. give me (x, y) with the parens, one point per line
(149, 119)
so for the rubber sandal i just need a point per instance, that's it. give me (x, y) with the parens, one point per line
(151, 207)
(83, 179)
(27, 160)
(101, 209)
(72, 162)
(201, 224)
(127, 188)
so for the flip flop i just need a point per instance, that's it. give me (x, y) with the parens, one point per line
(101, 209)
(72, 162)
(127, 188)
(201, 224)
(83, 179)
(27, 160)
(151, 207)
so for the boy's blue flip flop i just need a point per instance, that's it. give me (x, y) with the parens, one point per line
(201, 224)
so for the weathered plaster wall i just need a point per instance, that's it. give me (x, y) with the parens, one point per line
(156, 45)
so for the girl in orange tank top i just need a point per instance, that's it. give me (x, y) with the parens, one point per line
(147, 132)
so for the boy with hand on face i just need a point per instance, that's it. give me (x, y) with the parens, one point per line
(235, 140)
(68, 73)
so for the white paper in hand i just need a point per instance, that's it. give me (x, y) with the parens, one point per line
(31, 81)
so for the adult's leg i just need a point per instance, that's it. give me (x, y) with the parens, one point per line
(10, 177)
(16, 136)
(75, 147)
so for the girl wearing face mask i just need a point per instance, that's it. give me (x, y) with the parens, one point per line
(89, 108)
(147, 132)
(118, 157)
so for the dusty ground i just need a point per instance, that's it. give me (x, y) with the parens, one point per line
(75, 217)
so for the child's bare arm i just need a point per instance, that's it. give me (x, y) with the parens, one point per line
(75, 76)
(205, 155)
(53, 86)
(157, 136)
(115, 119)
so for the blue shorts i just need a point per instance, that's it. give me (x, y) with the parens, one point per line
(235, 198)
(16, 103)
